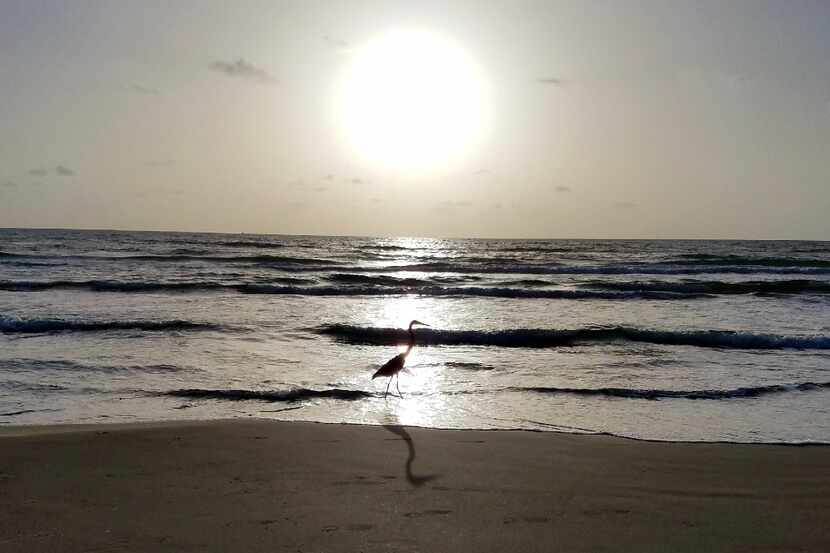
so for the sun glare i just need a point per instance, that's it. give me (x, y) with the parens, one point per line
(412, 100)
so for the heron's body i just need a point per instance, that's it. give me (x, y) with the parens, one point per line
(394, 366)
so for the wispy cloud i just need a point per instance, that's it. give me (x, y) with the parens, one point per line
(336, 43)
(60, 170)
(551, 81)
(563, 188)
(243, 70)
(141, 89)
(320, 188)
(625, 205)
(8, 184)
(357, 181)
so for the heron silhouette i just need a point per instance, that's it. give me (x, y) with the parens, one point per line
(394, 366)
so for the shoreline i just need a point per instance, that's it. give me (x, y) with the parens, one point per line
(16, 430)
(264, 485)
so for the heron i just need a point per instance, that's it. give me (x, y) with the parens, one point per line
(393, 367)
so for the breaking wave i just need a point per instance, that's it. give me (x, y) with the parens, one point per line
(719, 287)
(627, 393)
(291, 396)
(542, 338)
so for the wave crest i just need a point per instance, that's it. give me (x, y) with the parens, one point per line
(290, 396)
(627, 393)
(543, 338)
(13, 325)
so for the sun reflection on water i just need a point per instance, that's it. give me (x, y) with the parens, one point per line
(423, 375)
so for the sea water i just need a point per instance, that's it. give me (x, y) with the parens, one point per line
(665, 340)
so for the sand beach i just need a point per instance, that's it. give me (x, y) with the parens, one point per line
(289, 486)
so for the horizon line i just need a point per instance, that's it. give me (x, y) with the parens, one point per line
(392, 236)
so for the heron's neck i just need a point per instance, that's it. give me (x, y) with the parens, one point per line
(411, 340)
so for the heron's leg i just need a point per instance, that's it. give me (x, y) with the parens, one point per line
(398, 384)
(387, 387)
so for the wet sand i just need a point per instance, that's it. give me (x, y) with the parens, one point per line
(272, 486)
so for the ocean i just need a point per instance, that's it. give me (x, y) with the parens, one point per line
(660, 340)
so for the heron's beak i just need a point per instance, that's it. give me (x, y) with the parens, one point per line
(420, 323)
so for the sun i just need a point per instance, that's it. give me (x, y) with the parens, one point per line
(412, 100)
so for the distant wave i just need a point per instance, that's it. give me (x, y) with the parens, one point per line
(11, 325)
(541, 338)
(129, 286)
(33, 365)
(556, 269)
(107, 286)
(293, 395)
(711, 259)
(387, 247)
(379, 280)
(247, 244)
(180, 257)
(748, 392)
(392, 288)
(456, 292)
(385, 280)
(538, 249)
(527, 282)
(423, 288)
(718, 287)
(470, 266)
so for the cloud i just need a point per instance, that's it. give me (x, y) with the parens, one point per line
(482, 172)
(328, 177)
(376, 200)
(60, 170)
(8, 184)
(625, 205)
(242, 69)
(357, 181)
(552, 81)
(160, 162)
(140, 89)
(563, 189)
(335, 43)
(320, 188)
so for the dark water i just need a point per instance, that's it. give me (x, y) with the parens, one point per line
(677, 340)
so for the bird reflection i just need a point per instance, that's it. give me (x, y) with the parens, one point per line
(394, 366)
(414, 480)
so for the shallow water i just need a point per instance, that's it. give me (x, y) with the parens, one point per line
(670, 340)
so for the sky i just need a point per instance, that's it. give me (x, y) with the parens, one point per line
(580, 119)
